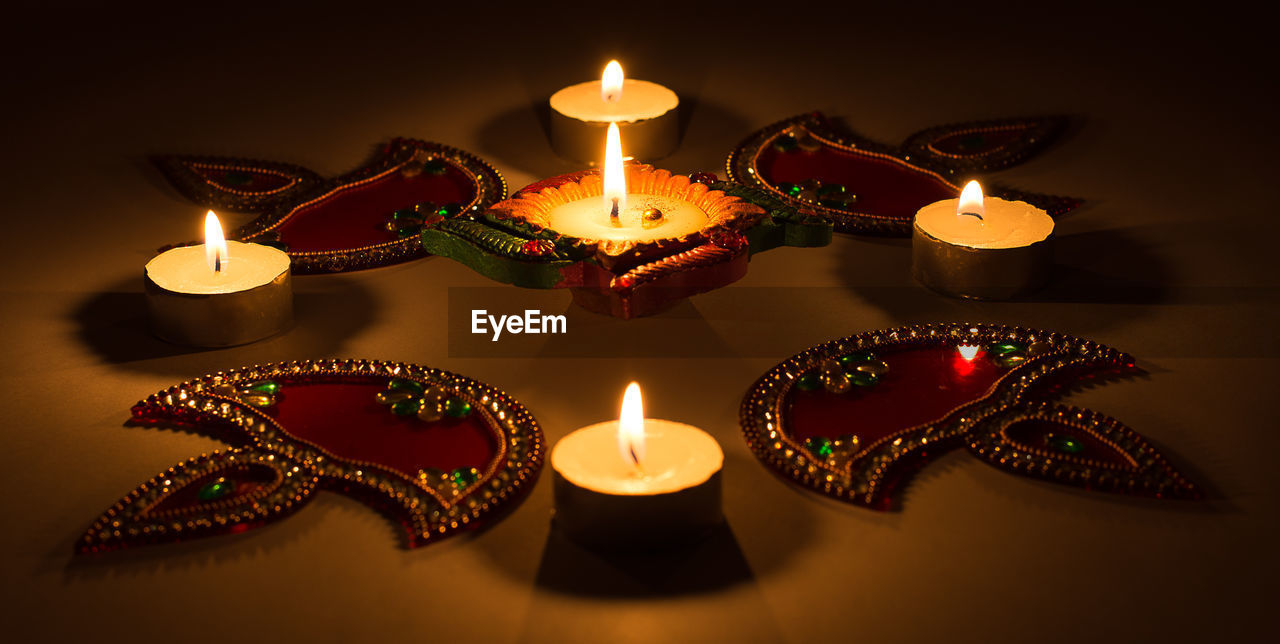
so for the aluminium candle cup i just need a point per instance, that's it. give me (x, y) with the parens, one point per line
(993, 270)
(601, 514)
(186, 307)
(646, 116)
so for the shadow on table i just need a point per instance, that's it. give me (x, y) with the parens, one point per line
(1111, 267)
(328, 309)
(711, 564)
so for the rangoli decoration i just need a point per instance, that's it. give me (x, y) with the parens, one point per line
(435, 451)
(853, 418)
(861, 186)
(363, 219)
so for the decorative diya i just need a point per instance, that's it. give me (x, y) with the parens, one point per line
(363, 219)
(853, 418)
(435, 451)
(862, 186)
(629, 241)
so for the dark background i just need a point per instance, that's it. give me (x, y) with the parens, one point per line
(1172, 259)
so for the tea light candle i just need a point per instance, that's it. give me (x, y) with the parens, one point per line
(220, 293)
(982, 247)
(647, 111)
(636, 482)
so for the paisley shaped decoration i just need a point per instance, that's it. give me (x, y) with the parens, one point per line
(240, 185)
(1076, 447)
(862, 186)
(512, 242)
(852, 418)
(449, 459)
(369, 217)
(215, 493)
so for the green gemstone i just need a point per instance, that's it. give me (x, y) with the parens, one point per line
(864, 378)
(403, 384)
(1004, 348)
(809, 381)
(216, 490)
(435, 166)
(464, 476)
(831, 190)
(791, 189)
(856, 358)
(264, 387)
(449, 209)
(785, 143)
(818, 446)
(406, 407)
(1064, 444)
(457, 407)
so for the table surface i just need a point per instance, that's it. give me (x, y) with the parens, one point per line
(1172, 260)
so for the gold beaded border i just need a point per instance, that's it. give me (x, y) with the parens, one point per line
(293, 179)
(508, 475)
(490, 188)
(864, 477)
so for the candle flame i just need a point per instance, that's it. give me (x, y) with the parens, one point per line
(631, 426)
(971, 201)
(611, 82)
(215, 246)
(615, 176)
(968, 351)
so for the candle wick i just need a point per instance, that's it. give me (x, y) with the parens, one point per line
(613, 214)
(217, 262)
(972, 214)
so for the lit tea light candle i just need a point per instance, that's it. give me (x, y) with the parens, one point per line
(623, 215)
(646, 111)
(982, 247)
(220, 293)
(636, 482)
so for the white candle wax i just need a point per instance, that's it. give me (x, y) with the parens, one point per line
(647, 111)
(185, 270)
(677, 457)
(589, 219)
(638, 101)
(1005, 224)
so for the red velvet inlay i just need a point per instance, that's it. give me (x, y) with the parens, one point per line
(345, 419)
(884, 187)
(246, 479)
(923, 384)
(975, 143)
(358, 216)
(243, 180)
(1031, 433)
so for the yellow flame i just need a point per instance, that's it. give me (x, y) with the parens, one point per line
(631, 426)
(611, 82)
(615, 177)
(968, 351)
(971, 200)
(215, 246)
